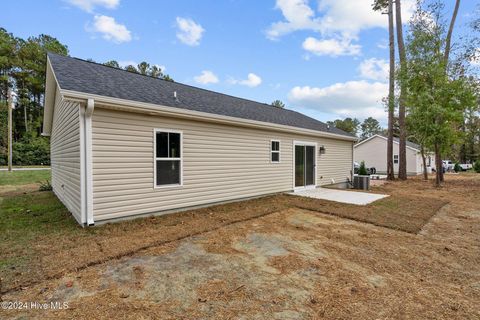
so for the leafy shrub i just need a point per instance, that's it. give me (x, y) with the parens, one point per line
(45, 186)
(457, 167)
(31, 151)
(362, 170)
(476, 166)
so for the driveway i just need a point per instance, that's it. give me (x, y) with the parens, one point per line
(26, 169)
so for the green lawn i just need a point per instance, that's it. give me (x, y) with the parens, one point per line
(23, 177)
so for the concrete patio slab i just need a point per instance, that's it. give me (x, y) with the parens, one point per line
(351, 197)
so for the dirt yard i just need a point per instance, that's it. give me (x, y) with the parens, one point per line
(278, 257)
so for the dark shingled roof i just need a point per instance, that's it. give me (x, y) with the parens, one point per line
(93, 78)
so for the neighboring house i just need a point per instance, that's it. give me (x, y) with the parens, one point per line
(125, 144)
(373, 151)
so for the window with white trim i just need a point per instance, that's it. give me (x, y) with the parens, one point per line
(275, 151)
(168, 158)
(395, 158)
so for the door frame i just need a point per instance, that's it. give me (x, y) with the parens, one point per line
(305, 143)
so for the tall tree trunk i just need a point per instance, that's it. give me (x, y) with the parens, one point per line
(402, 163)
(463, 147)
(442, 178)
(439, 165)
(448, 40)
(448, 44)
(391, 93)
(424, 160)
(25, 117)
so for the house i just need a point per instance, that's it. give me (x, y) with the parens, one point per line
(373, 151)
(125, 144)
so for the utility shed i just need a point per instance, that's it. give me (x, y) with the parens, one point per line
(125, 144)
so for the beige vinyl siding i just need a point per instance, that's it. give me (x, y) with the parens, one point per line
(220, 163)
(65, 154)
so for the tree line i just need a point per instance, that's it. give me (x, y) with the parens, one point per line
(433, 79)
(433, 97)
(369, 127)
(22, 69)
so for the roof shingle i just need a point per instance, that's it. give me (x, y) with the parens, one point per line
(93, 78)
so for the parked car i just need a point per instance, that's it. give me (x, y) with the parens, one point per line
(370, 170)
(448, 165)
(466, 166)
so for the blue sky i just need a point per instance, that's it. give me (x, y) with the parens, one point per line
(326, 58)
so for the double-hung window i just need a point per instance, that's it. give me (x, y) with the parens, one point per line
(275, 151)
(395, 158)
(168, 158)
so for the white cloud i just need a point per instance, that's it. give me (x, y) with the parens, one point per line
(335, 16)
(189, 32)
(353, 16)
(382, 44)
(331, 47)
(252, 81)
(89, 5)
(349, 16)
(110, 29)
(298, 16)
(161, 67)
(337, 21)
(206, 77)
(353, 98)
(126, 63)
(374, 69)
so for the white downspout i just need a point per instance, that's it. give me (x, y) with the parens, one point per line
(83, 202)
(89, 162)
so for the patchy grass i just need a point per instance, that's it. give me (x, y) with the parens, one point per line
(38, 228)
(23, 177)
(321, 266)
(398, 212)
(24, 219)
(33, 214)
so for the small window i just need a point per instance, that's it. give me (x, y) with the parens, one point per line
(275, 151)
(395, 158)
(168, 158)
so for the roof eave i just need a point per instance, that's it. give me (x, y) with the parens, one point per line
(149, 108)
(51, 85)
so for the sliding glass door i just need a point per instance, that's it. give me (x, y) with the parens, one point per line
(299, 166)
(304, 165)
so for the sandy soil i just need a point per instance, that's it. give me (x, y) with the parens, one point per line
(290, 264)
